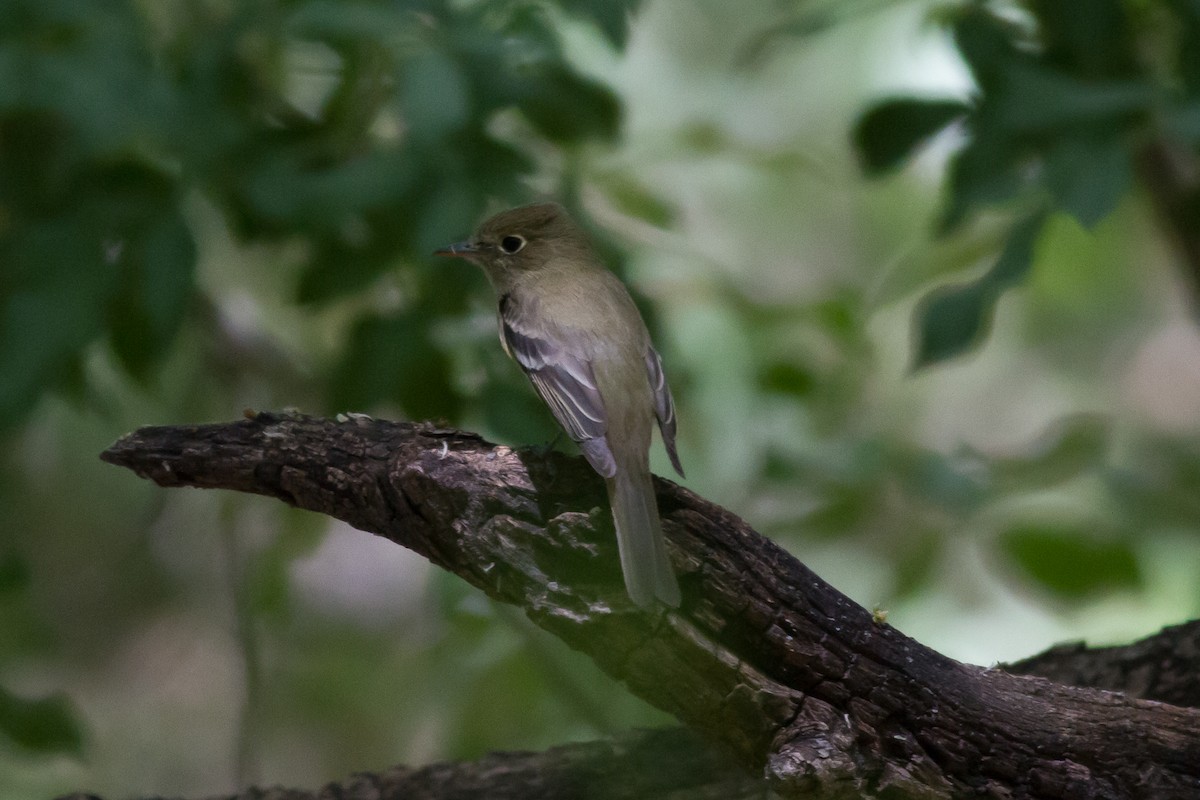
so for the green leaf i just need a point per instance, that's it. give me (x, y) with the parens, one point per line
(1091, 38)
(1088, 176)
(788, 378)
(393, 359)
(339, 268)
(1046, 108)
(345, 22)
(285, 189)
(843, 511)
(1071, 561)
(916, 563)
(941, 480)
(365, 85)
(47, 725)
(986, 43)
(1072, 446)
(1158, 486)
(52, 304)
(492, 167)
(567, 107)
(523, 65)
(1187, 14)
(953, 320)
(447, 213)
(988, 170)
(1035, 100)
(157, 268)
(1184, 121)
(888, 133)
(610, 16)
(634, 199)
(38, 154)
(14, 573)
(434, 96)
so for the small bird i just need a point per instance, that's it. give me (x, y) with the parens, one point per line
(574, 330)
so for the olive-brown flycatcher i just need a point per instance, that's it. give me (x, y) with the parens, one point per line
(573, 328)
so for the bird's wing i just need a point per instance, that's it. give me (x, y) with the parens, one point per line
(564, 381)
(664, 405)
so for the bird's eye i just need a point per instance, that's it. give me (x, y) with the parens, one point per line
(512, 244)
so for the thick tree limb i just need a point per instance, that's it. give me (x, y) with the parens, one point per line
(1163, 667)
(675, 764)
(764, 659)
(645, 765)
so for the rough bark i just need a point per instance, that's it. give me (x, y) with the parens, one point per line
(1163, 667)
(764, 660)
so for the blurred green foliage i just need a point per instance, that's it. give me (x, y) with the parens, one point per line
(211, 205)
(1067, 96)
(112, 115)
(45, 725)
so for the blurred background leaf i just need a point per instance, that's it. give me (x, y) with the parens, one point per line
(889, 133)
(1071, 561)
(45, 726)
(954, 319)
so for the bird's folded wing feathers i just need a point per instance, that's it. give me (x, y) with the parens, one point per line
(565, 382)
(664, 405)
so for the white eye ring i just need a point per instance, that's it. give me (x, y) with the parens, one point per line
(512, 244)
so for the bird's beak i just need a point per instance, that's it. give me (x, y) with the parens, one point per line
(463, 249)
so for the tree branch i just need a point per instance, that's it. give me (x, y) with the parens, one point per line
(764, 659)
(1171, 173)
(1163, 667)
(644, 765)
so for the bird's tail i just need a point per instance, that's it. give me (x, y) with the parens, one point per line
(648, 573)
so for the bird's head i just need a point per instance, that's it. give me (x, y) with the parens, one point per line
(520, 240)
